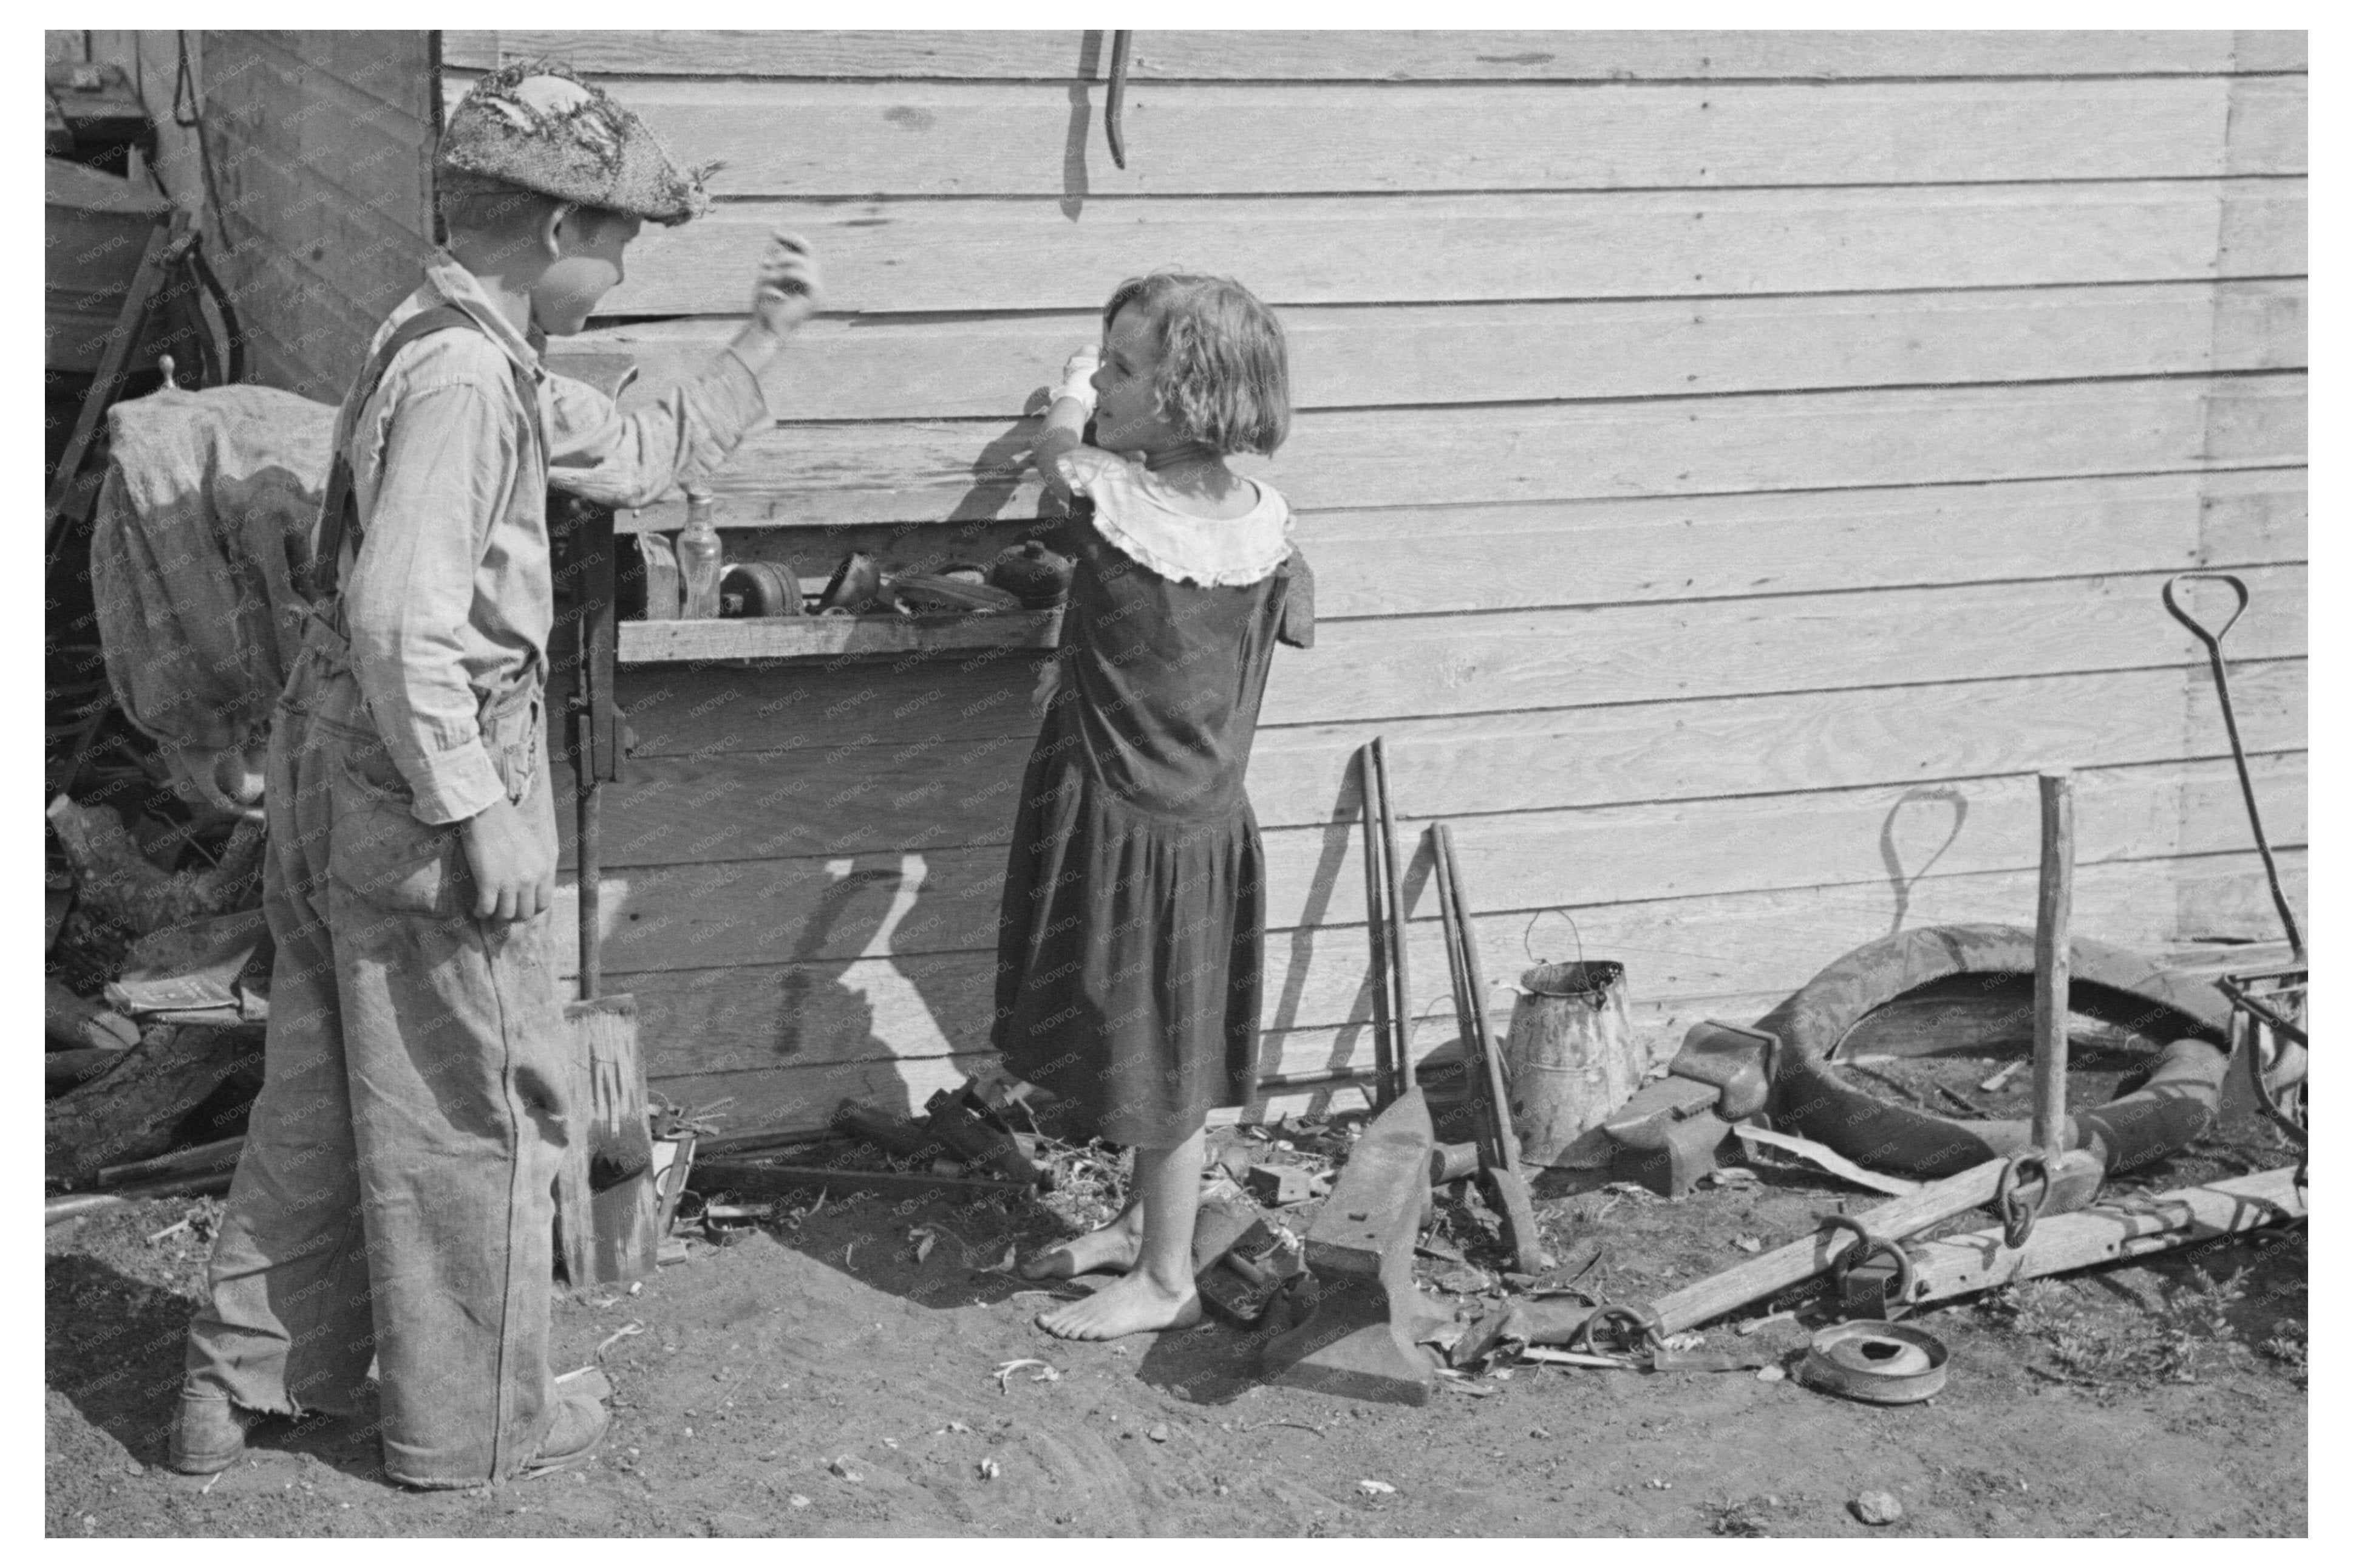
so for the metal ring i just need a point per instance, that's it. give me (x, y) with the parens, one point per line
(2017, 1212)
(1867, 1246)
(1652, 1335)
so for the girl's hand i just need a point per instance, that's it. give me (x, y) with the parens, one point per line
(787, 289)
(1077, 376)
(1050, 683)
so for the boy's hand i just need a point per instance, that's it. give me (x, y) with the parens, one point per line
(515, 872)
(787, 289)
(1050, 682)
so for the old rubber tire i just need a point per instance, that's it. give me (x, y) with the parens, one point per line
(1808, 1099)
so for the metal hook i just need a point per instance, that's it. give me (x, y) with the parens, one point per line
(1115, 97)
(2213, 639)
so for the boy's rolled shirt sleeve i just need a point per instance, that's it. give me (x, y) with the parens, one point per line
(448, 468)
(602, 455)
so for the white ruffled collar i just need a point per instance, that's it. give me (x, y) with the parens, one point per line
(1205, 552)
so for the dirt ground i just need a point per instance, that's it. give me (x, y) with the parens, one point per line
(814, 1375)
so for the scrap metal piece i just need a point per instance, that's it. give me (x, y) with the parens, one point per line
(1880, 1363)
(1366, 1315)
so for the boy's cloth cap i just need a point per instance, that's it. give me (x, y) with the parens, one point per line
(538, 126)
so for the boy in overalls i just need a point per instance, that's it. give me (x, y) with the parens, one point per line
(396, 1195)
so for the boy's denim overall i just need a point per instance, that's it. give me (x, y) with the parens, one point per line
(396, 1196)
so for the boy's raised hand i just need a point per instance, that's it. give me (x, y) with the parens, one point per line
(788, 288)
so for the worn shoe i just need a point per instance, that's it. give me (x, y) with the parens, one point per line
(581, 1420)
(208, 1433)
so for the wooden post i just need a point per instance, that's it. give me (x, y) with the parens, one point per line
(2054, 907)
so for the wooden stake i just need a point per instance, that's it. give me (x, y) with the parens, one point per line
(2053, 909)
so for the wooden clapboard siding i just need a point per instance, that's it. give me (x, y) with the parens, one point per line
(821, 475)
(1796, 933)
(1734, 463)
(936, 792)
(1390, 56)
(1351, 357)
(1029, 255)
(722, 912)
(322, 147)
(850, 139)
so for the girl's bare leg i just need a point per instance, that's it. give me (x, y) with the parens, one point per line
(1114, 1245)
(1157, 1293)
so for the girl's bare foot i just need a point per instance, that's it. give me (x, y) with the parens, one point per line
(1133, 1304)
(1117, 1246)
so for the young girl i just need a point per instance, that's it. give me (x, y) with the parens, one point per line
(1128, 945)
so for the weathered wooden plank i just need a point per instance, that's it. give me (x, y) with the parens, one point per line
(393, 68)
(805, 475)
(1388, 55)
(1032, 254)
(876, 790)
(1557, 554)
(1369, 670)
(830, 637)
(2268, 133)
(1779, 939)
(738, 910)
(882, 367)
(2268, 51)
(898, 138)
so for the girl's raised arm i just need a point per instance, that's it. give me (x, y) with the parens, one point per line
(1066, 418)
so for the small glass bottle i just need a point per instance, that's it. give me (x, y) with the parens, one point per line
(700, 566)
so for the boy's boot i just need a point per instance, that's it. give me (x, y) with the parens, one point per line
(208, 1431)
(581, 1419)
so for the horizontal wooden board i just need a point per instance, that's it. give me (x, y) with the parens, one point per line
(1033, 254)
(1795, 932)
(1433, 560)
(1370, 672)
(804, 638)
(822, 476)
(735, 911)
(874, 792)
(885, 367)
(1680, 954)
(1045, 139)
(1486, 55)
(1363, 670)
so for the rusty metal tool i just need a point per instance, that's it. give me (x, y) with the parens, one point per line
(2213, 642)
(1376, 933)
(1360, 1318)
(1491, 1099)
(1392, 881)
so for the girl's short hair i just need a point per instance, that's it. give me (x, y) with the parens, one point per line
(1225, 374)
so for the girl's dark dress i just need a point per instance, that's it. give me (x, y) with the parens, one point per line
(1128, 944)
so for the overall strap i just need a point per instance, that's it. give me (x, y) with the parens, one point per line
(339, 512)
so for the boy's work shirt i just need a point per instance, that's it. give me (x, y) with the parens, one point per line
(451, 597)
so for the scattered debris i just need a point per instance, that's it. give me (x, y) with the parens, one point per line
(2002, 1076)
(796, 1501)
(1730, 1176)
(1877, 1507)
(1376, 1489)
(842, 1468)
(1749, 1243)
(1046, 1373)
(1772, 1372)
(615, 1338)
(1278, 1186)
(989, 1469)
(1159, 1432)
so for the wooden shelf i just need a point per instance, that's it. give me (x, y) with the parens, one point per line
(799, 639)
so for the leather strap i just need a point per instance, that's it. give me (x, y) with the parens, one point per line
(339, 513)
